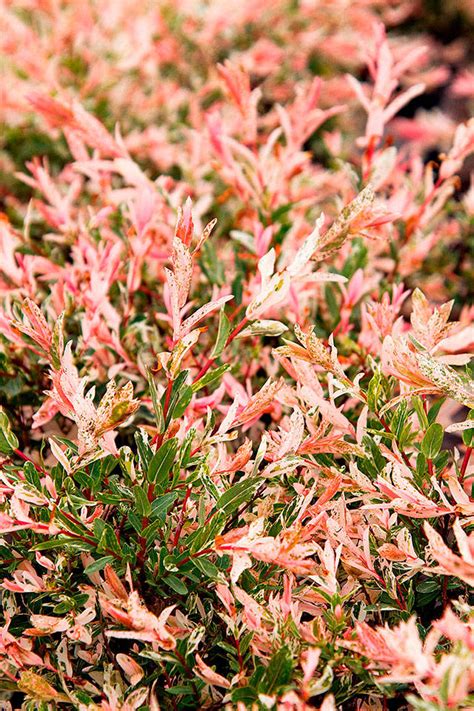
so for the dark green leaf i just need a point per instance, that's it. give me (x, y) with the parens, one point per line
(278, 672)
(176, 584)
(98, 564)
(162, 462)
(143, 506)
(238, 494)
(206, 567)
(157, 407)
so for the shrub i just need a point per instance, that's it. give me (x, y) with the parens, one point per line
(236, 422)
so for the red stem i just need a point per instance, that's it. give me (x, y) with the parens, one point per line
(181, 517)
(465, 463)
(230, 338)
(25, 458)
(158, 438)
(205, 551)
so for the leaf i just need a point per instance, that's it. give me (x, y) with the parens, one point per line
(207, 482)
(159, 417)
(245, 694)
(434, 409)
(200, 538)
(180, 690)
(207, 568)
(149, 533)
(59, 542)
(432, 441)
(222, 335)
(374, 391)
(108, 541)
(210, 377)
(323, 683)
(73, 526)
(160, 505)
(144, 450)
(143, 506)
(212, 267)
(98, 564)
(331, 302)
(8, 441)
(468, 434)
(32, 475)
(237, 494)
(183, 402)
(278, 672)
(176, 584)
(179, 392)
(162, 462)
(417, 403)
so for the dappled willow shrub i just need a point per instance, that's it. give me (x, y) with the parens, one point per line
(235, 335)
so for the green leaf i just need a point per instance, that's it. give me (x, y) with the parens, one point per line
(245, 694)
(73, 526)
(420, 468)
(58, 542)
(209, 485)
(201, 537)
(8, 441)
(441, 461)
(143, 506)
(158, 409)
(222, 335)
(186, 446)
(180, 690)
(434, 410)
(278, 672)
(149, 533)
(468, 435)
(108, 541)
(331, 303)
(162, 462)
(176, 584)
(180, 407)
(212, 267)
(176, 389)
(432, 441)
(144, 450)
(417, 403)
(374, 391)
(238, 494)
(206, 567)
(209, 377)
(98, 564)
(32, 475)
(161, 505)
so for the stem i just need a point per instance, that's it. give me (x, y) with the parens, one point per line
(465, 463)
(401, 601)
(181, 517)
(413, 223)
(158, 438)
(25, 458)
(205, 551)
(444, 592)
(230, 338)
(387, 429)
(239, 654)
